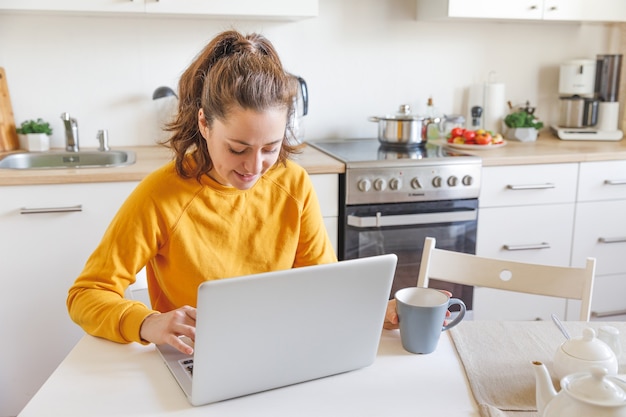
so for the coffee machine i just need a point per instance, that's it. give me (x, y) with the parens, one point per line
(589, 106)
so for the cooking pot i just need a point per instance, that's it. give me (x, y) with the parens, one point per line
(403, 129)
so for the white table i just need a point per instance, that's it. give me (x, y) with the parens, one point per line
(102, 378)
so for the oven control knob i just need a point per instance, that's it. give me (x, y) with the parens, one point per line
(415, 183)
(380, 184)
(395, 184)
(453, 181)
(437, 182)
(467, 180)
(364, 185)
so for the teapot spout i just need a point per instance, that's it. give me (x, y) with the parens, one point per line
(545, 391)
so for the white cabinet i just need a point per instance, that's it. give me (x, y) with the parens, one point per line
(525, 214)
(555, 10)
(280, 9)
(48, 231)
(327, 189)
(600, 232)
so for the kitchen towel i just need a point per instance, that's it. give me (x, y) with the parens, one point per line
(497, 358)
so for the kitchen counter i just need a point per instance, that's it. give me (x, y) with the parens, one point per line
(149, 158)
(549, 149)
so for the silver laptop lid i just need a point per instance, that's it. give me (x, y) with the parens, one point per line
(274, 329)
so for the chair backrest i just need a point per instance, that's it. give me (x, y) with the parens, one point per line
(462, 268)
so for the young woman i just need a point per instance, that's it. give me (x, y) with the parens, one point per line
(230, 204)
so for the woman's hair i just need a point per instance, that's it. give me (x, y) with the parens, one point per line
(232, 71)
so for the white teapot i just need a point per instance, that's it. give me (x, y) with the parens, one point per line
(580, 354)
(582, 394)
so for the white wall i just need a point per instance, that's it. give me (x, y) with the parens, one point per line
(359, 57)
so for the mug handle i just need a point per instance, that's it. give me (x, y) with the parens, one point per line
(459, 317)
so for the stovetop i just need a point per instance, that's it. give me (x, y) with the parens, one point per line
(381, 174)
(369, 152)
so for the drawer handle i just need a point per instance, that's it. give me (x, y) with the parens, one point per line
(530, 246)
(612, 239)
(531, 186)
(40, 210)
(615, 182)
(608, 313)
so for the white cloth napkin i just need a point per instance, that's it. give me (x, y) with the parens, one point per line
(497, 359)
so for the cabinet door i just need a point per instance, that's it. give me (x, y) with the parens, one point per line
(564, 10)
(602, 180)
(495, 9)
(608, 302)
(42, 254)
(74, 5)
(600, 232)
(604, 10)
(528, 185)
(536, 234)
(327, 189)
(230, 8)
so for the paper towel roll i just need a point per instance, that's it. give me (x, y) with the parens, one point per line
(492, 98)
(495, 107)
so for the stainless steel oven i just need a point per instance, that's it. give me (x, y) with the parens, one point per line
(393, 198)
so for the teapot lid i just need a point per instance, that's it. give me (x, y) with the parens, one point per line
(587, 347)
(595, 387)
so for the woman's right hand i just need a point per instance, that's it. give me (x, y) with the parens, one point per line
(166, 328)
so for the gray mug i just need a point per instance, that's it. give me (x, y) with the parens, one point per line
(421, 315)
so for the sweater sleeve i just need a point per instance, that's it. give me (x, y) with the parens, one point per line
(96, 299)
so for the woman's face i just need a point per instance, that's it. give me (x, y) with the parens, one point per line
(245, 145)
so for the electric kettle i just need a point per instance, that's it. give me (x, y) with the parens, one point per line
(300, 109)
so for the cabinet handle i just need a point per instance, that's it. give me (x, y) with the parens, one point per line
(531, 246)
(533, 7)
(40, 210)
(531, 186)
(612, 239)
(614, 182)
(608, 313)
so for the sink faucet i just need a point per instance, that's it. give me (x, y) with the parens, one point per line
(71, 132)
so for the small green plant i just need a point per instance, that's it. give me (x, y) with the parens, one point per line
(34, 126)
(522, 119)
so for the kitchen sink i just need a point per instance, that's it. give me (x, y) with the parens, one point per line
(63, 159)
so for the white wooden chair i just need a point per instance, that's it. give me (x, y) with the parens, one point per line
(461, 268)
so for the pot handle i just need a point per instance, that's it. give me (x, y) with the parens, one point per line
(374, 119)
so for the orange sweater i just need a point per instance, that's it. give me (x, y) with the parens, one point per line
(186, 232)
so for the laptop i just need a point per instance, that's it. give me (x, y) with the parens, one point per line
(264, 331)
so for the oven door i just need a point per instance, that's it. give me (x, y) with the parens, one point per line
(402, 228)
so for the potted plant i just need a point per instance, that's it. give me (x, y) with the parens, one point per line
(34, 135)
(522, 124)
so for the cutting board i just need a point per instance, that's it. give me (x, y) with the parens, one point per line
(8, 135)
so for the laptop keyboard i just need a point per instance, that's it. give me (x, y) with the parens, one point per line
(187, 365)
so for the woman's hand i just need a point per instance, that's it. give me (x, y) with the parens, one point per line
(391, 316)
(166, 328)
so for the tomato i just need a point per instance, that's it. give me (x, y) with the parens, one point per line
(483, 138)
(469, 136)
(457, 131)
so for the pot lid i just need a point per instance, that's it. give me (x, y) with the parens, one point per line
(595, 387)
(587, 347)
(403, 114)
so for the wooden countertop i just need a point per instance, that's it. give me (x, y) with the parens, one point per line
(546, 150)
(549, 149)
(148, 159)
